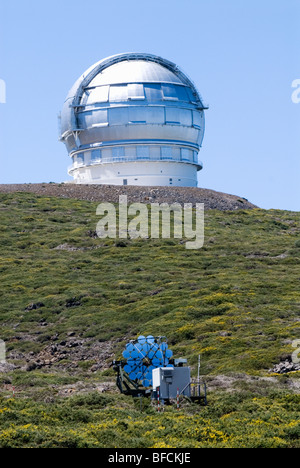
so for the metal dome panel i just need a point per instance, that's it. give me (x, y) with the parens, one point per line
(135, 71)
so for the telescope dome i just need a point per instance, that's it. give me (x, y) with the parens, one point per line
(134, 119)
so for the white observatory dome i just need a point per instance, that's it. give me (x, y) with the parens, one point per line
(134, 119)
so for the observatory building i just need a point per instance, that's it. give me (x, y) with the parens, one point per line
(133, 119)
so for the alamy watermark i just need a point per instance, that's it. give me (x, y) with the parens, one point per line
(296, 353)
(2, 92)
(2, 352)
(154, 220)
(296, 93)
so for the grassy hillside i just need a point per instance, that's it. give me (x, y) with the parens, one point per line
(70, 301)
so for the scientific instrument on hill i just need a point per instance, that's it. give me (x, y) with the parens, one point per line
(149, 368)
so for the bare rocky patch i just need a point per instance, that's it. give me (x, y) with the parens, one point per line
(110, 193)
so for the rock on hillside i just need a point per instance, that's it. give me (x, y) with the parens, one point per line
(111, 193)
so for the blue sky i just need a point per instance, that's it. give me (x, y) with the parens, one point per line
(242, 55)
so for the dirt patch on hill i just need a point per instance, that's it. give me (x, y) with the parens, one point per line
(111, 193)
(63, 355)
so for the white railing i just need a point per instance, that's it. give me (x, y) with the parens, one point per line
(124, 159)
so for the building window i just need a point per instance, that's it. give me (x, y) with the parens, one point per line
(153, 92)
(142, 152)
(100, 116)
(169, 92)
(135, 91)
(172, 116)
(137, 115)
(186, 117)
(181, 92)
(79, 158)
(118, 152)
(118, 116)
(186, 154)
(166, 152)
(197, 119)
(96, 155)
(191, 95)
